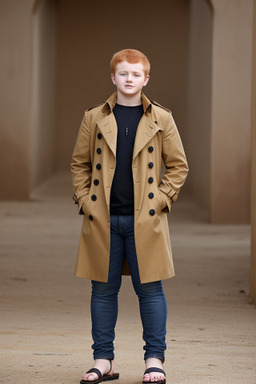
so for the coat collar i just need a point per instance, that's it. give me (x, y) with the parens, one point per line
(111, 102)
(147, 128)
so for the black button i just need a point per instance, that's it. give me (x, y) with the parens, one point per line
(91, 217)
(98, 151)
(150, 180)
(96, 182)
(94, 197)
(155, 122)
(151, 195)
(150, 149)
(99, 136)
(150, 165)
(152, 212)
(98, 166)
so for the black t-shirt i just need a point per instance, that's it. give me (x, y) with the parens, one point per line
(122, 197)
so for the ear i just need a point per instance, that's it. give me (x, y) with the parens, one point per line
(113, 78)
(146, 80)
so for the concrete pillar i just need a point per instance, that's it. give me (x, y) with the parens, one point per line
(27, 97)
(198, 127)
(253, 189)
(231, 104)
(15, 98)
(44, 80)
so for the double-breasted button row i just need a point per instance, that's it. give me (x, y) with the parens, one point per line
(98, 167)
(151, 180)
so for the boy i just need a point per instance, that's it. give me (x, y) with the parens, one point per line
(116, 168)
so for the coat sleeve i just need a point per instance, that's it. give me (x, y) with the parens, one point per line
(81, 166)
(175, 163)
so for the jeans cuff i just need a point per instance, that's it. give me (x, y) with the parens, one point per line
(155, 357)
(110, 358)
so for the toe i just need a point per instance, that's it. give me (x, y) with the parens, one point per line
(146, 378)
(153, 377)
(90, 376)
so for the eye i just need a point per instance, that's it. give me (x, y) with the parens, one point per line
(122, 74)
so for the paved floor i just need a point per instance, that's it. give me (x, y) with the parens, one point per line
(44, 315)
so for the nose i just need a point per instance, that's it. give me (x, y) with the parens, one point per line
(129, 77)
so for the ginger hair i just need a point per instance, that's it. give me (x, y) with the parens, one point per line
(132, 56)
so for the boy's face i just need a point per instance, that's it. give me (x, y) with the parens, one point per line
(129, 79)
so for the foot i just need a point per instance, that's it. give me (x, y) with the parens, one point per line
(103, 366)
(153, 376)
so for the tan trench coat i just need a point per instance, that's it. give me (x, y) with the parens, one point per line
(93, 167)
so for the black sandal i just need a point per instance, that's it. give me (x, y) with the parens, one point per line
(155, 369)
(101, 377)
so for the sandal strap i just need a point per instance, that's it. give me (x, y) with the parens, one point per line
(154, 369)
(110, 361)
(95, 370)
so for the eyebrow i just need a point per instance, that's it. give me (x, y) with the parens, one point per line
(139, 73)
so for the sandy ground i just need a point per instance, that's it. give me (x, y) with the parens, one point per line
(45, 318)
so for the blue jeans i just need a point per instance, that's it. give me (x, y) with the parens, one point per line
(104, 299)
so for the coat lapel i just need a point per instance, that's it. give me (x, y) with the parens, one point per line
(108, 128)
(145, 131)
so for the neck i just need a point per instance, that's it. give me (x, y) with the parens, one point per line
(130, 101)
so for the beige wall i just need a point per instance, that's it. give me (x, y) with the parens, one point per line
(231, 100)
(219, 151)
(15, 98)
(43, 119)
(198, 127)
(88, 36)
(253, 189)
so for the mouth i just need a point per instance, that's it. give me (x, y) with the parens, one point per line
(128, 86)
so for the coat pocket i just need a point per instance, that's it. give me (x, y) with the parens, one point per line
(84, 203)
(162, 202)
